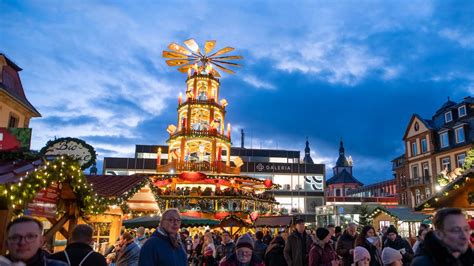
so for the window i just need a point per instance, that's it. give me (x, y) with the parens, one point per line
(444, 139)
(462, 111)
(382, 224)
(414, 171)
(427, 192)
(417, 196)
(445, 164)
(459, 132)
(426, 170)
(424, 145)
(448, 117)
(414, 149)
(460, 160)
(13, 121)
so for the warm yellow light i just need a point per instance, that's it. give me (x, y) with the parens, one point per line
(224, 102)
(171, 129)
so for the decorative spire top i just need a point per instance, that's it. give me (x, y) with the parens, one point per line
(307, 153)
(192, 58)
(307, 149)
(341, 148)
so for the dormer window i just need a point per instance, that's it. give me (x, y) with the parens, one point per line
(448, 117)
(459, 132)
(462, 111)
(444, 139)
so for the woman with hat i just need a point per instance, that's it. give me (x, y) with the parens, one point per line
(361, 257)
(322, 253)
(243, 255)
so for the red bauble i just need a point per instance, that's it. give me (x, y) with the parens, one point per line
(268, 183)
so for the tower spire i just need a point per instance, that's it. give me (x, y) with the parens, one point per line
(341, 148)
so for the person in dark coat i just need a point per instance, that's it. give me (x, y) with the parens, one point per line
(243, 254)
(298, 245)
(322, 253)
(267, 238)
(345, 244)
(274, 255)
(127, 251)
(448, 244)
(163, 247)
(259, 247)
(398, 243)
(79, 252)
(24, 239)
(227, 247)
(368, 240)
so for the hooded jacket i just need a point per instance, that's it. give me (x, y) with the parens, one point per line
(433, 253)
(343, 246)
(398, 244)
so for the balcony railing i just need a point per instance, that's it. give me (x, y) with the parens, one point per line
(203, 102)
(418, 181)
(215, 167)
(199, 133)
(361, 199)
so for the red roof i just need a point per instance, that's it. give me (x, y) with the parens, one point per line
(11, 171)
(113, 185)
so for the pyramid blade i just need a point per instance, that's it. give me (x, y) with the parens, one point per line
(177, 62)
(209, 46)
(223, 68)
(222, 51)
(230, 57)
(170, 54)
(226, 63)
(192, 45)
(184, 68)
(178, 48)
(215, 73)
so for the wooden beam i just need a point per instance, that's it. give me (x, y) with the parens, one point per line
(56, 227)
(63, 231)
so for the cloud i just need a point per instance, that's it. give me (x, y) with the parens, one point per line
(258, 83)
(464, 38)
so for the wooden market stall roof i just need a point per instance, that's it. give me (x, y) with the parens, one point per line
(11, 171)
(114, 185)
(400, 214)
(273, 221)
(459, 193)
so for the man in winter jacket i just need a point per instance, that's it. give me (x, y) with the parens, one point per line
(24, 239)
(79, 252)
(345, 244)
(164, 247)
(322, 253)
(298, 245)
(227, 247)
(243, 254)
(398, 243)
(260, 248)
(127, 251)
(448, 244)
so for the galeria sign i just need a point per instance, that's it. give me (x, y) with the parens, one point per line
(73, 147)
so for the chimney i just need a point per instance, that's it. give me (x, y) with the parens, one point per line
(242, 138)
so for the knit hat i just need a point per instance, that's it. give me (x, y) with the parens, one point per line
(322, 233)
(389, 255)
(392, 229)
(360, 253)
(244, 241)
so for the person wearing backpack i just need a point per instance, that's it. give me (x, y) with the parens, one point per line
(79, 252)
(322, 253)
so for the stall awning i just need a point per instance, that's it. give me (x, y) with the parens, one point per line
(401, 214)
(114, 185)
(154, 221)
(273, 221)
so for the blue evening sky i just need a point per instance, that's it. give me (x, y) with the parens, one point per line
(317, 69)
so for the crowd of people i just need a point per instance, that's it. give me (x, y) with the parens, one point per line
(450, 242)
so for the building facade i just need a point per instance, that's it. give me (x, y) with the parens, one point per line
(433, 147)
(301, 182)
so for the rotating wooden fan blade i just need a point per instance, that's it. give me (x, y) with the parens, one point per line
(222, 51)
(223, 68)
(170, 54)
(230, 57)
(192, 45)
(209, 46)
(178, 48)
(215, 73)
(177, 62)
(184, 68)
(227, 63)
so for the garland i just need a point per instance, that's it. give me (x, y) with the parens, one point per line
(62, 170)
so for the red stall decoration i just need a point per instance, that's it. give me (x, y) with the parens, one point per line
(192, 176)
(268, 183)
